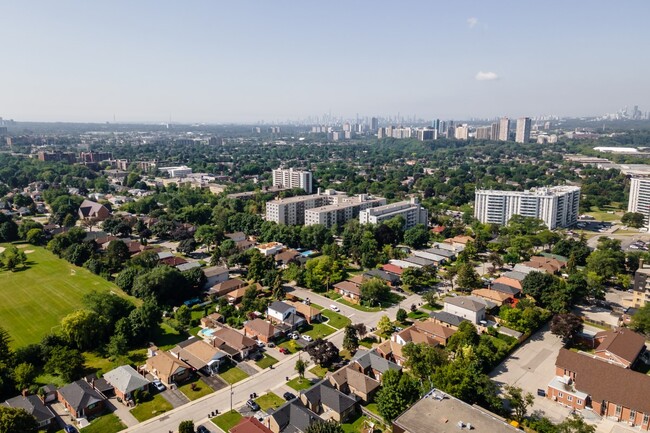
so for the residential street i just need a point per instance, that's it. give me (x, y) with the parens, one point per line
(264, 381)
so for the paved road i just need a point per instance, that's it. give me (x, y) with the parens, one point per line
(264, 381)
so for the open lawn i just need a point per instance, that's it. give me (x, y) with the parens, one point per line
(299, 384)
(368, 341)
(359, 307)
(200, 389)
(269, 401)
(290, 345)
(101, 364)
(336, 320)
(167, 337)
(233, 375)
(317, 330)
(105, 424)
(417, 315)
(228, 420)
(151, 408)
(319, 371)
(267, 361)
(35, 299)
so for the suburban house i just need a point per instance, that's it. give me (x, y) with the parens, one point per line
(262, 330)
(237, 295)
(446, 319)
(432, 255)
(235, 344)
(200, 355)
(426, 331)
(167, 368)
(438, 412)
(292, 417)
(187, 266)
(499, 298)
(250, 424)
(391, 279)
(370, 363)
(91, 210)
(348, 290)
(126, 381)
(215, 275)
(285, 314)
(620, 346)
(585, 382)
(549, 265)
(513, 275)
(213, 320)
(34, 406)
(351, 381)
(420, 262)
(323, 398)
(81, 400)
(311, 314)
(226, 287)
(392, 269)
(509, 281)
(285, 257)
(465, 307)
(236, 236)
(270, 248)
(507, 289)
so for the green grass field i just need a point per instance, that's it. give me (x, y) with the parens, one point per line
(267, 361)
(149, 409)
(35, 299)
(269, 401)
(227, 421)
(201, 389)
(233, 375)
(318, 330)
(336, 320)
(105, 424)
(299, 384)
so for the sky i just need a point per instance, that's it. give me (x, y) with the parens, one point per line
(252, 60)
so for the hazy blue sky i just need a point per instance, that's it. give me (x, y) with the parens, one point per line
(210, 61)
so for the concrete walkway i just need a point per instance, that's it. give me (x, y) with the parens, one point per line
(123, 412)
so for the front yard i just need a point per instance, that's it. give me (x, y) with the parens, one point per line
(228, 420)
(233, 375)
(269, 401)
(266, 361)
(317, 330)
(299, 384)
(151, 408)
(105, 424)
(195, 389)
(336, 320)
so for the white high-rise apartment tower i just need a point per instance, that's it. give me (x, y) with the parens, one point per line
(293, 179)
(557, 206)
(640, 197)
(523, 130)
(504, 129)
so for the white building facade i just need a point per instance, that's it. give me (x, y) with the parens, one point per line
(640, 197)
(557, 206)
(411, 210)
(290, 178)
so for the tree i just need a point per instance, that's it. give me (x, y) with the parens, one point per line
(186, 427)
(13, 420)
(401, 315)
(84, 329)
(124, 279)
(207, 235)
(450, 276)
(301, 366)
(417, 237)
(518, 401)
(322, 352)
(566, 325)
(374, 291)
(320, 426)
(398, 391)
(385, 326)
(535, 283)
(186, 246)
(12, 257)
(65, 362)
(466, 335)
(321, 272)
(361, 329)
(641, 320)
(162, 283)
(467, 277)
(117, 346)
(24, 375)
(633, 219)
(108, 305)
(183, 315)
(575, 424)
(35, 236)
(422, 359)
(351, 339)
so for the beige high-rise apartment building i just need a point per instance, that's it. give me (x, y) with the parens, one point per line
(523, 130)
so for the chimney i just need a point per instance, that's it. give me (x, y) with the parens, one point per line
(641, 262)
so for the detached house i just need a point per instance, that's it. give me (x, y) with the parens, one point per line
(235, 344)
(91, 210)
(200, 355)
(261, 329)
(465, 307)
(620, 346)
(33, 405)
(351, 381)
(371, 364)
(284, 314)
(126, 381)
(167, 367)
(81, 399)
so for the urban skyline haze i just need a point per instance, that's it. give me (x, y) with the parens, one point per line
(219, 62)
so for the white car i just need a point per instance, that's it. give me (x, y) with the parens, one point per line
(294, 335)
(260, 344)
(159, 385)
(334, 308)
(307, 338)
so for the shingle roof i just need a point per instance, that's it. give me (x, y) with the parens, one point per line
(33, 406)
(355, 379)
(332, 398)
(378, 273)
(293, 417)
(125, 379)
(80, 395)
(280, 307)
(607, 382)
(250, 425)
(348, 286)
(370, 359)
(261, 327)
(445, 317)
(465, 302)
(621, 342)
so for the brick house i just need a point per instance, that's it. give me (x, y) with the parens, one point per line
(261, 329)
(81, 399)
(621, 346)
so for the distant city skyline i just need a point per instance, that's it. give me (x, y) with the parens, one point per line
(248, 62)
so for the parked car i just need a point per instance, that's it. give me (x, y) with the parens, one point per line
(159, 385)
(288, 396)
(294, 336)
(334, 308)
(541, 392)
(69, 429)
(254, 406)
(260, 344)
(307, 338)
(271, 345)
(256, 356)
(202, 429)
(283, 350)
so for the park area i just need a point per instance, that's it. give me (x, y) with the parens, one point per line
(36, 298)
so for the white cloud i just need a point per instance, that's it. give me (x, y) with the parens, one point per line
(472, 21)
(486, 76)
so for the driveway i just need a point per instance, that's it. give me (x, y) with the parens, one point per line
(248, 369)
(122, 411)
(214, 382)
(175, 397)
(532, 367)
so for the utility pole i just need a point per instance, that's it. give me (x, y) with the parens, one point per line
(231, 397)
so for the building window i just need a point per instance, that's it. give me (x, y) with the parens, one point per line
(560, 394)
(619, 409)
(579, 401)
(569, 397)
(632, 415)
(646, 418)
